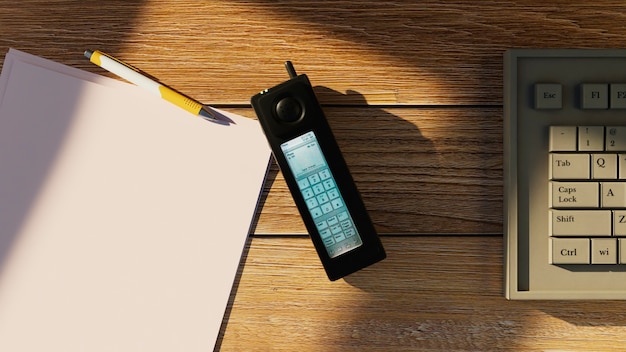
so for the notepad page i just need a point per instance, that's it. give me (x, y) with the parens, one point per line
(122, 217)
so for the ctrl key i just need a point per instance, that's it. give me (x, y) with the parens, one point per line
(570, 251)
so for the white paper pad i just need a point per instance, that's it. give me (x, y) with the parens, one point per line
(122, 217)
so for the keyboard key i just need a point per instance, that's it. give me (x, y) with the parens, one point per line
(339, 237)
(570, 251)
(622, 250)
(619, 223)
(324, 174)
(569, 166)
(318, 189)
(303, 183)
(574, 194)
(313, 179)
(548, 96)
(322, 225)
(316, 213)
(337, 203)
(594, 96)
(603, 251)
(343, 216)
(312, 203)
(308, 193)
(604, 166)
(322, 198)
(621, 173)
(615, 138)
(580, 223)
(326, 233)
(591, 138)
(613, 194)
(563, 138)
(618, 96)
(329, 241)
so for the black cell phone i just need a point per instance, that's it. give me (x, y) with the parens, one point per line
(317, 176)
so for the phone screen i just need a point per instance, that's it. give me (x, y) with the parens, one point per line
(319, 190)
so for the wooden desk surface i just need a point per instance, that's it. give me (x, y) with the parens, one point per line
(414, 93)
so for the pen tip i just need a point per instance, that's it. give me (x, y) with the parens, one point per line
(208, 115)
(88, 53)
(212, 116)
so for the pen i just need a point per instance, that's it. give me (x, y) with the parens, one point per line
(141, 79)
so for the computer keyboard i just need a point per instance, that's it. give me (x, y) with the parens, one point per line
(565, 173)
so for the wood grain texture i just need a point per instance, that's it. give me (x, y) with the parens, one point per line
(392, 52)
(432, 293)
(419, 170)
(413, 91)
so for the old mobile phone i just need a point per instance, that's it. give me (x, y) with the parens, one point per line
(317, 176)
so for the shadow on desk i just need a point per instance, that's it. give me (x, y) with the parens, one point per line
(389, 158)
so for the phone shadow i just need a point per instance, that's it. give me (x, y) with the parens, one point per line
(391, 161)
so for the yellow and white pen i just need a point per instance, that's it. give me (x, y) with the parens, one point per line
(140, 79)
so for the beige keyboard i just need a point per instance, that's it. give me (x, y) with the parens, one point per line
(587, 194)
(565, 174)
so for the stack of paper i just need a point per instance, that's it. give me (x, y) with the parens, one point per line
(122, 217)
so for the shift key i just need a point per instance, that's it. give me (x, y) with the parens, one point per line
(580, 223)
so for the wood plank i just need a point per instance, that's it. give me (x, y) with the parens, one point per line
(391, 52)
(420, 170)
(432, 293)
